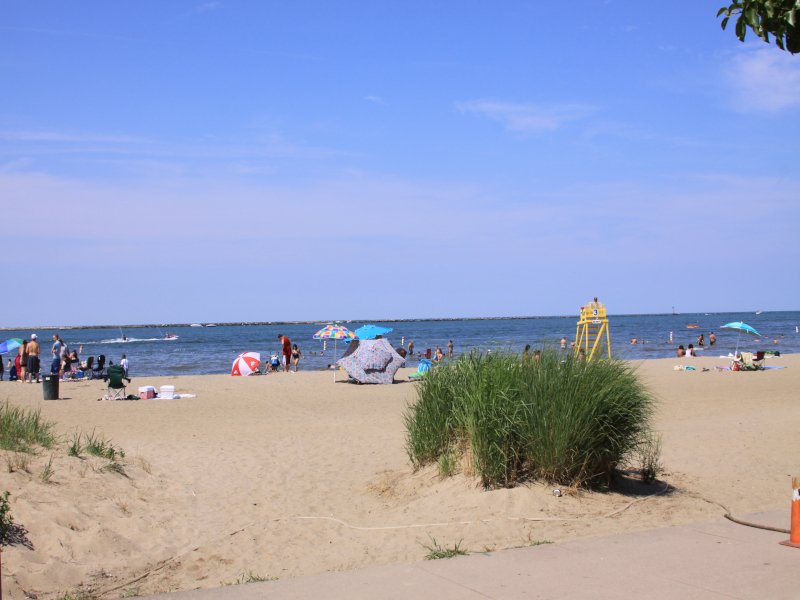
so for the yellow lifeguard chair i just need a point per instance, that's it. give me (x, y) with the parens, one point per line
(593, 331)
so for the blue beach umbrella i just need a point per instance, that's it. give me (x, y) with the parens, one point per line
(10, 345)
(370, 332)
(741, 328)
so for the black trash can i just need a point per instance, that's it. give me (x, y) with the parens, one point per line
(50, 387)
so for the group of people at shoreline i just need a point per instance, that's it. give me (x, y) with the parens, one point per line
(26, 367)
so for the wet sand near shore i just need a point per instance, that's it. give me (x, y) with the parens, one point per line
(290, 475)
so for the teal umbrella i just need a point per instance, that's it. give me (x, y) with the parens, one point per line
(370, 332)
(10, 345)
(741, 328)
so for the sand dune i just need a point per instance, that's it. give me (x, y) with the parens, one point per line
(290, 475)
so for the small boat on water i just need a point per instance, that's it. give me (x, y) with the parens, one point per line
(758, 312)
(171, 336)
(195, 325)
(211, 325)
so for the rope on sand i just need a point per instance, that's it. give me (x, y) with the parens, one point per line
(613, 513)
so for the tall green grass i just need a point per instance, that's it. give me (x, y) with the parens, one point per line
(22, 429)
(558, 418)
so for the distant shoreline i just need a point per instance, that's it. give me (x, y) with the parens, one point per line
(318, 322)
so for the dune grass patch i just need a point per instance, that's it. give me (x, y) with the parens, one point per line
(23, 430)
(557, 419)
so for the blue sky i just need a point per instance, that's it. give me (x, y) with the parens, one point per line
(232, 161)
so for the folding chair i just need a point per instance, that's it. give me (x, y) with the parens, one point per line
(115, 376)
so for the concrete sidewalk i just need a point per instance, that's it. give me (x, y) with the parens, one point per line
(718, 559)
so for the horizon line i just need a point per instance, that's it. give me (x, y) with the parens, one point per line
(393, 320)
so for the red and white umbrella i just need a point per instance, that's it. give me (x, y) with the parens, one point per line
(245, 364)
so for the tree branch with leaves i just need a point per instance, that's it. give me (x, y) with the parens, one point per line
(765, 17)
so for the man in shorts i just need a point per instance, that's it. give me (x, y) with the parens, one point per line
(33, 360)
(286, 350)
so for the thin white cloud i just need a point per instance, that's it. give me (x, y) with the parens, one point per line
(206, 6)
(764, 80)
(60, 136)
(527, 118)
(374, 99)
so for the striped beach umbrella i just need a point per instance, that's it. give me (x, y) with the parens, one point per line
(335, 332)
(245, 364)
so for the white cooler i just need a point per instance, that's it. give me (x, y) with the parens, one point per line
(167, 392)
(147, 392)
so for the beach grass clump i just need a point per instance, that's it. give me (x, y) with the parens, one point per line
(437, 551)
(6, 521)
(250, 577)
(23, 429)
(556, 418)
(97, 445)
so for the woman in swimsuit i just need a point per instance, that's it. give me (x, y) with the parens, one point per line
(296, 354)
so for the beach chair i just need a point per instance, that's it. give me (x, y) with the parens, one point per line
(744, 362)
(97, 371)
(115, 376)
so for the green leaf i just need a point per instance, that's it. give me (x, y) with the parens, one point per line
(741, 28)
(724, 22)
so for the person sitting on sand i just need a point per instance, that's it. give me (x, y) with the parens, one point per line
(274, 363)
(439, 356)
(690, 350)
(681, 351)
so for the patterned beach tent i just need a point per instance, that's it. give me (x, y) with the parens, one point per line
(334, 332)
(372, 361)
(245, 364)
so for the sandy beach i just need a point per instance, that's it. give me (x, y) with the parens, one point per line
(290, 475)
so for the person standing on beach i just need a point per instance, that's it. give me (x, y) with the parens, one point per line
(411, 347)
(33, 359)
(21, 362)
(124, 364)
(55, 364)
(296, 355)
(450, 349)
(286, 350)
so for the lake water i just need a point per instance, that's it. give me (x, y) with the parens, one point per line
(201, 350)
